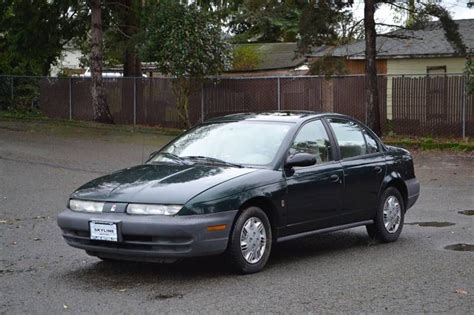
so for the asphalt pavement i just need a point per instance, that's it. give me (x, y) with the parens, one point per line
(341, 272)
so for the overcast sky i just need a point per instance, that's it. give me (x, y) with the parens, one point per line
(384, 14)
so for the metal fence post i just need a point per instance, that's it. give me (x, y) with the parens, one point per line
(70, 98)
(135, 101)
(11, 90)
(202, 101)
(321, 105)
(366, 103)
(279, 93)
(464, 101)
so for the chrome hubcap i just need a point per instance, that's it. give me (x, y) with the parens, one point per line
(253, 239)
(392, 214)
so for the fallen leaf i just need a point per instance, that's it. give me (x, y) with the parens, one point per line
(461, 291)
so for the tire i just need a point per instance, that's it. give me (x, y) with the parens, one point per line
(387, 230)
(251, 227)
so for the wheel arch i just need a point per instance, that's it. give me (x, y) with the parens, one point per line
(267, 205)
(395, 180)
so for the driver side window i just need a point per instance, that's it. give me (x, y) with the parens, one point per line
(312, 138)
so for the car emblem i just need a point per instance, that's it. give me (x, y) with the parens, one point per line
(114, 206)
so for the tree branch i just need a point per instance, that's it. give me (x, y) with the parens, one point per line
(122, 32)
(397, 36)
(393, 4)
(392, 25)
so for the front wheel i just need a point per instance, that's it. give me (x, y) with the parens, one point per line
(250, 241)
(390, 216)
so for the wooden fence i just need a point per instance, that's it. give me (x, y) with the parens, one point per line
(432, 106)
(409, 105)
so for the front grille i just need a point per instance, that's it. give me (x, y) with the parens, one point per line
(137, 238)
(121, 245)
(132, 242)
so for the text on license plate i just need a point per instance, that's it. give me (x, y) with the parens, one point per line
(103, 231)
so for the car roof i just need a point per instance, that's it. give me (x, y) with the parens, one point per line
(277, 116)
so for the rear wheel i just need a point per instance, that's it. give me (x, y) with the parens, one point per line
(250, 241)
(390, 216)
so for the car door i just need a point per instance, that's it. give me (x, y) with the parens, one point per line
(314, 192)
(363, 165)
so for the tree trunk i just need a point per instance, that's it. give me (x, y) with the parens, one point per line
(128, 12)
(132, 66)
(99, 101)
(182, 91)
(372, 95)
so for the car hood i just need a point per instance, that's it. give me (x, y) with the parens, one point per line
(158, 183)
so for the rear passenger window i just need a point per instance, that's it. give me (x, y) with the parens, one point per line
(313, 139)
(372, 146)
(349, 137)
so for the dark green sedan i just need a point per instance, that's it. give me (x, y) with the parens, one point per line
(240, 183)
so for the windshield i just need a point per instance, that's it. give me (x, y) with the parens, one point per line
(243, 142)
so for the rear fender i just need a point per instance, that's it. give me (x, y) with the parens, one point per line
(394, 179)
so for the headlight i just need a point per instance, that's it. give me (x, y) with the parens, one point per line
(85, 206)
(144, 209)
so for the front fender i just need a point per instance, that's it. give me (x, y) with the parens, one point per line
(203, 204)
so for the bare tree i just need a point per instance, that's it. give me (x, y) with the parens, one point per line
(99, 101)
(372, 93)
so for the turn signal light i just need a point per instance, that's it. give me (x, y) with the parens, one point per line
(214, 228)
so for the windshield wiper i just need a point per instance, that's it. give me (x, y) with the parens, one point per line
(174, 157)
(212, 160)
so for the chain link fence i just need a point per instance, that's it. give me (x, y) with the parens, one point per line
(409, 105)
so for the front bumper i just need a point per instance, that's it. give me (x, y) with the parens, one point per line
(413, 191)
(149, 238)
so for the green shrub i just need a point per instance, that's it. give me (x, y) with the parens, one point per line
(246, 58)
(328, 66)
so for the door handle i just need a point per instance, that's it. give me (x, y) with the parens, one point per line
(334, 178)
(378, 169)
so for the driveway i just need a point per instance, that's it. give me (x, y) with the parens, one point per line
(342, 272)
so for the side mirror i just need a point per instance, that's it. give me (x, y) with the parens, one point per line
(300, 159)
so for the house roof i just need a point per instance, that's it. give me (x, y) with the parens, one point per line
(427, 42)
(275, 56)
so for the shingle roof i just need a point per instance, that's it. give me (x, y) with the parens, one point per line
(276, 55)
(272, 56)
(429, 41)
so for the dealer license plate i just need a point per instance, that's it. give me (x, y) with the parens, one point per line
(103, 231)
